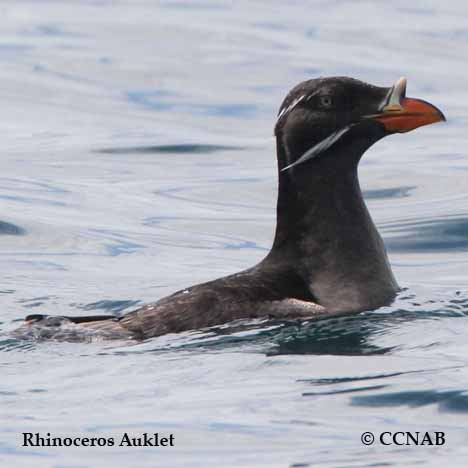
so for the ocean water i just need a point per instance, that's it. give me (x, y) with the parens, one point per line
(138, 158)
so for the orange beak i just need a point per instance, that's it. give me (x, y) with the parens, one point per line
(401, 114)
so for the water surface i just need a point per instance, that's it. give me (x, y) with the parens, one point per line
(138, 158)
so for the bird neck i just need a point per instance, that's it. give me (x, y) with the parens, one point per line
(325, 233)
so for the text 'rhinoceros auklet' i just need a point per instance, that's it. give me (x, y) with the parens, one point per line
(327, 256)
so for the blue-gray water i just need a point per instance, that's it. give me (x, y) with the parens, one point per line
(137, 158)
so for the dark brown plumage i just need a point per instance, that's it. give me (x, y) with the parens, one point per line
(327, 256)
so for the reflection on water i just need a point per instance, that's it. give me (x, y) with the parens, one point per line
(138, 158)
(347, 336)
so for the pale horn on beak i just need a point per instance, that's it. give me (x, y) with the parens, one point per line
(400, 114)
(395, 96)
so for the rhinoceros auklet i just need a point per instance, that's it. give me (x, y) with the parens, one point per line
(327, 256)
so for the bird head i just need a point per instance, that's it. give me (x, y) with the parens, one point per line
(323, 116)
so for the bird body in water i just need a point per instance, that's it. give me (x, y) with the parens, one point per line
(327, 256)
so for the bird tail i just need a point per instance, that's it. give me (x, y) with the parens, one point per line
(73, 329)
(83, 319)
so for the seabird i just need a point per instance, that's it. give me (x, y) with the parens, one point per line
(327, 256)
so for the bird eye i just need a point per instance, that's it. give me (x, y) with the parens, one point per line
(326, 101)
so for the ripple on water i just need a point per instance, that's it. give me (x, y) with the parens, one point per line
(341, 380)
(117, 243)
(170, 149)
(187, 194)
(158, 100)
(433, 235)
(393, 192)
(447, 400)
(14, 344)
(11, 229)
(31, 186)
(109, 305)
